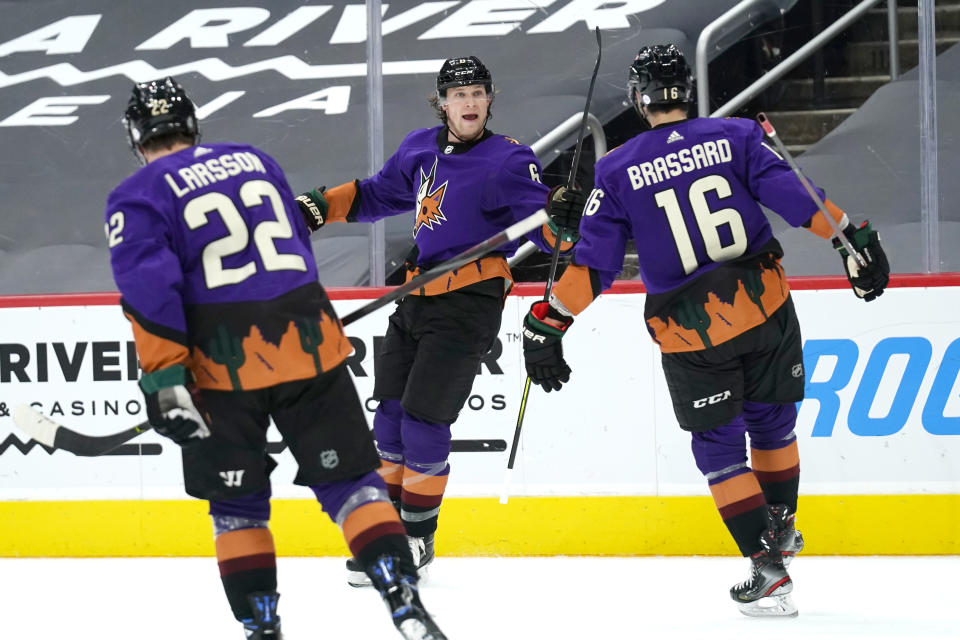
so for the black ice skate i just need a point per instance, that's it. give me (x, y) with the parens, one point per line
(789, 539)
(420, 548)
(767, 591)
(265, 623)
(399, 592)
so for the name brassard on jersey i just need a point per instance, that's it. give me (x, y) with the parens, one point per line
(201, 174)
(705, 154)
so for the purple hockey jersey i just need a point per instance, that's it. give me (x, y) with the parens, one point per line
(687, 193)
(462, 194)
(213, 262)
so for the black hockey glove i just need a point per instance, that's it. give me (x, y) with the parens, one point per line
(170, 408)
(542, 351)
(868, 281)
(565, 208)
(314, 208)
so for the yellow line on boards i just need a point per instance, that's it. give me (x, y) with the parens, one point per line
(630, 525)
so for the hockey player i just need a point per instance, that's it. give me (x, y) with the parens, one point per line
(465, 183)
(718, 303)
(232, 328)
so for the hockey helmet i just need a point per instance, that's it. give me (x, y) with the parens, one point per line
(157, 108)
(659, 75)
(463, 72)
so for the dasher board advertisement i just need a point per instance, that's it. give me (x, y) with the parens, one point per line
(881, 414)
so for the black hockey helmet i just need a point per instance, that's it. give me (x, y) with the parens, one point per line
(659, 75)
(463, 72)
(157, 108)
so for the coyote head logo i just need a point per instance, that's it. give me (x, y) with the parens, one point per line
(429, 200)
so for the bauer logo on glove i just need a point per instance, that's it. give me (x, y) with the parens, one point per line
(314, 208)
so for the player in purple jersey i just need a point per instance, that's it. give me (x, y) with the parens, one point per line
(718, 302)
(217, 277)
(465, 184)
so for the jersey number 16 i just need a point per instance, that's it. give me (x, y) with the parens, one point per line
(708, 222)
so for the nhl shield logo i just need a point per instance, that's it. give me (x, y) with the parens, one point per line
(329, 459)
(797, 370)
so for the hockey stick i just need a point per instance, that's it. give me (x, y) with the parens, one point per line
(841, 236)
(512, 232)
(554, 261)
(49, 433)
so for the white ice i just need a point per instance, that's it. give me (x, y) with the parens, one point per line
(485, 598)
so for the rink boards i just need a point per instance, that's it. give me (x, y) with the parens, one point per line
(603, 468)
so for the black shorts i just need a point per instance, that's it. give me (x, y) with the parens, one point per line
(764, 364)
(320, 419)
(433, 347)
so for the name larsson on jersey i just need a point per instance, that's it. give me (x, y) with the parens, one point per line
(201, 174)
(699, 156)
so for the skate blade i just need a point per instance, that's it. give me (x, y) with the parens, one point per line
(358, 579)
(423, 574)
(778, 606)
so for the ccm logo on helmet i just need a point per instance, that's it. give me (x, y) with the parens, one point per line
(714, 399)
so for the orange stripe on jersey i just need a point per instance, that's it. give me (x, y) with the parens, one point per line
(155, 352)
(366, 517)
(551, 239)
(340, 199)
(244, 542)
(775, 459)
(726, 320)
(483, 269)
(574, 290)
(735, 489)
(423, 484)
(819, 224)
(302, 352)
(391, 472)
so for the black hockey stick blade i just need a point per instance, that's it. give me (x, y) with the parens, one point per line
(50, 434)
(554, 262)
(495, 241)
(478, 446)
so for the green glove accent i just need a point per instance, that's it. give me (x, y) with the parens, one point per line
(163, 378)
(314, 208)
(569, 235)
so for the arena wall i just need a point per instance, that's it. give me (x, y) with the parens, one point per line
(603, 468)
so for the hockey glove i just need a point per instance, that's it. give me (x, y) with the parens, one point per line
(565, 208)
(314, 208)
(170, 408)
(868, 281)
(542, 351)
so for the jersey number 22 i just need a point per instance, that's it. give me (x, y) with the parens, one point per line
(252, 193)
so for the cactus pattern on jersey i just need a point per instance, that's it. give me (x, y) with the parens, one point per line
(693, 316)
(753, 284)
(227, 349)
(310, 340)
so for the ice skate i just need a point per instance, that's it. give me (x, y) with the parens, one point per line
(767, 591)
(265, 623)
(399, 592)
(422, 551)
(420, 548)
(789, 539)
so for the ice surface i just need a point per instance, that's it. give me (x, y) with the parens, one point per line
(484, 598)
